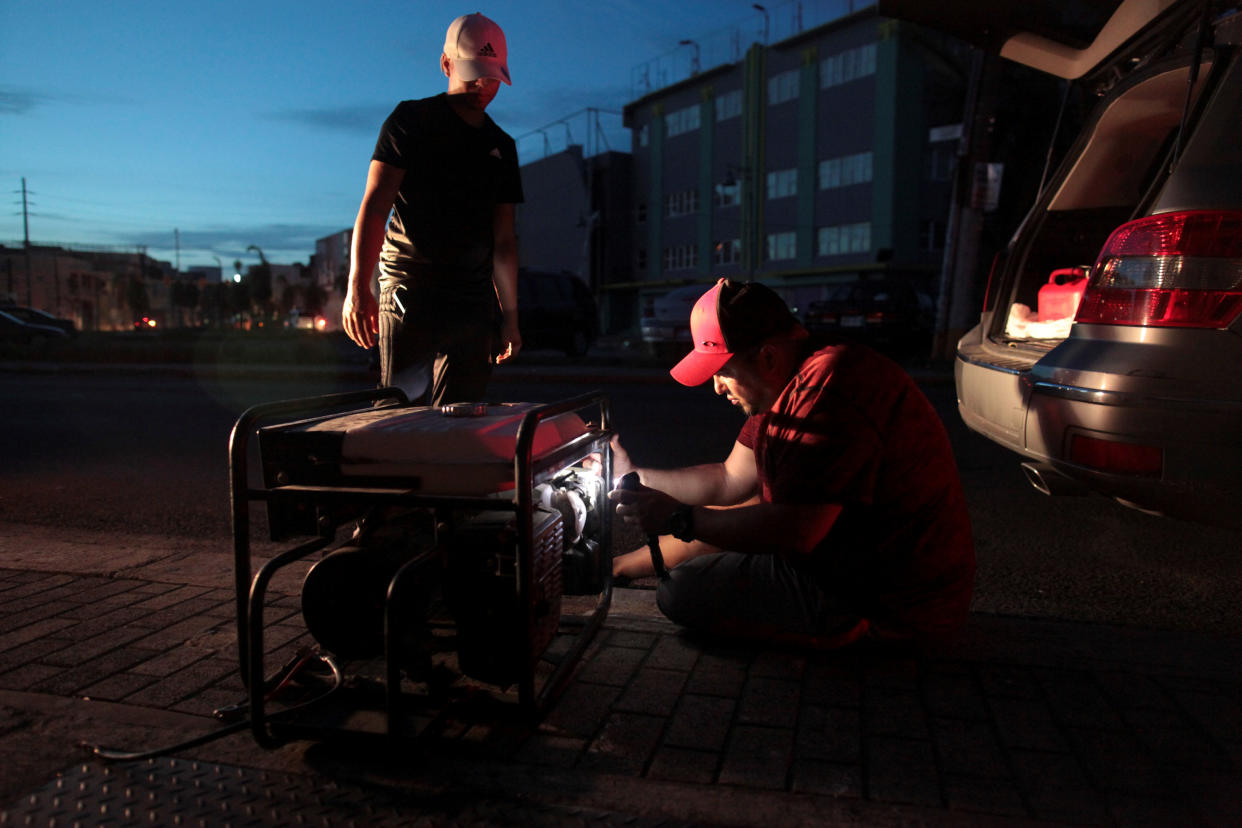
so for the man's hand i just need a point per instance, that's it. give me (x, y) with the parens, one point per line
(360, 317)
(648, 508)
(621, 464)
(510, 340)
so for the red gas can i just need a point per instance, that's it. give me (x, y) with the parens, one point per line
(1060, 297)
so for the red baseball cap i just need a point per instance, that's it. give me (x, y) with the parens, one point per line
(730, 318)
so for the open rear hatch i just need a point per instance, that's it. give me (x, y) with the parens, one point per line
(1065, 38)
(1095, 47)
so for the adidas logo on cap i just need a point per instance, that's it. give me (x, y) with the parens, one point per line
(478, 40)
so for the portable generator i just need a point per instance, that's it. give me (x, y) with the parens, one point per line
(468, 523)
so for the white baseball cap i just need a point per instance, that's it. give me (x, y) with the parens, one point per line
(476, 45)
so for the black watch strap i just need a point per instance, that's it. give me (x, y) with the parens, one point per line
(681, 523)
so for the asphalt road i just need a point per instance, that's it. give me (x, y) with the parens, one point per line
(123, 452)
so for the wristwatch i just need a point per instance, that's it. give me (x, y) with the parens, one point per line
(681, 523)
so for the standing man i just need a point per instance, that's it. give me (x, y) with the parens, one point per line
(449, 177)
(837, 516)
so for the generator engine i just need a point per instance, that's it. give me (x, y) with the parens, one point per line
(480, 592)
(468, 550)
(577, 494)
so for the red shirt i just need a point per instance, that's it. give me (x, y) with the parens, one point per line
(852, 428)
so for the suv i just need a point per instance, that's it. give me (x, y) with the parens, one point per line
(15, 330)
(34, 316)
(665, 326)
(889, 314)
(557, 310)
(1109, 349)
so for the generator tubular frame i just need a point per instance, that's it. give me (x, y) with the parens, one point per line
(251, 586)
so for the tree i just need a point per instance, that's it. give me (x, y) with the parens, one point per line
(258, 280)
(239, 297)
(136, 297)
(184, 299)
(313, 298)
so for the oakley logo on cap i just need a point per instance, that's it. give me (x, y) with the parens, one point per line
(729, 318)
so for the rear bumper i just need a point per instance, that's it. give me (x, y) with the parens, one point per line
(1200, 440)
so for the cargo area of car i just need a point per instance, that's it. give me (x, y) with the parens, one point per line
(1114, 169)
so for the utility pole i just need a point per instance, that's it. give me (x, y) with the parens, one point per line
(960, 269)
(25, 214)
(26, 243)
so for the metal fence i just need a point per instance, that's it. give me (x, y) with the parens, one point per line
(728, 45)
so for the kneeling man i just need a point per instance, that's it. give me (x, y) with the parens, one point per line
(837, 516)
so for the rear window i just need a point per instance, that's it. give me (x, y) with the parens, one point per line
(1209, 174)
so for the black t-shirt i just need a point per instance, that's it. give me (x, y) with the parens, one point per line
(440, 233)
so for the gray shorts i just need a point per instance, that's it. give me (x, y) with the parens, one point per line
(756, 597)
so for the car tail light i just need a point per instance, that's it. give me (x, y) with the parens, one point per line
(1176, 270)
(1115, 457)
(875, 318)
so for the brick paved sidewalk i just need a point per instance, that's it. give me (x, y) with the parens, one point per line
(1026, 720)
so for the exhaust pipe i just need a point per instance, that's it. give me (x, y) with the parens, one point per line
(1045, 478)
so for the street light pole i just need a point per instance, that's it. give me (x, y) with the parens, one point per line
(758, 7)
(694, 65)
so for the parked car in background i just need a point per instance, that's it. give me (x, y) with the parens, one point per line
(556, 310)
(34, 316)
(15, 331)
(665, 325)
(1109, 349)
(889, 314)
(306, 321)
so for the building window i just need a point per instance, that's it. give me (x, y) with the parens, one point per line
(844, 238)
(681, 203)
(640, 212)
(681, 257)
(782, 183)
(727, 252)
(782, 246)
(640, 259)
(729, 105)
(683, 120)
(783, 87)
(728, 193)
(846, 66)
(844, 171)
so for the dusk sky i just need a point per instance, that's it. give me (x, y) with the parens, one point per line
(235, 124)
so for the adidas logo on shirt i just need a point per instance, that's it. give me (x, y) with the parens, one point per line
(487, 51)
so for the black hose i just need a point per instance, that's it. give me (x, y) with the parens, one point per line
(278, 684)
(629, 482)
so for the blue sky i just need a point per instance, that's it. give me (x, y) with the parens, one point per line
(234, 124)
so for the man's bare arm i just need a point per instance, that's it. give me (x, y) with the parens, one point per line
(504, 279)
(791, 530)
(712, 484)
(359, 316)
